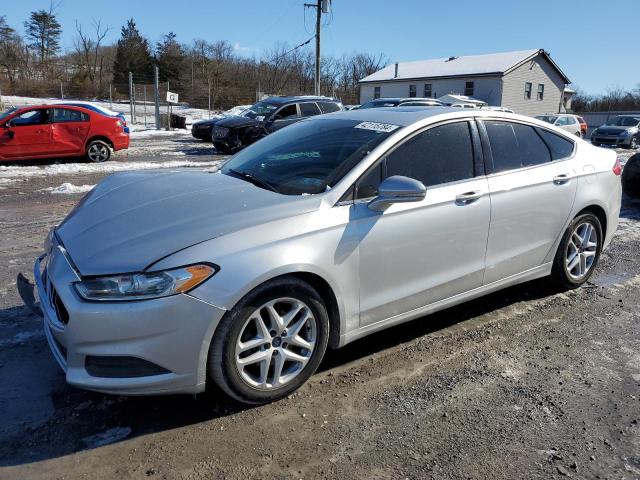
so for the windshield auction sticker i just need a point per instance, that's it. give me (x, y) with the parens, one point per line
(378, 127)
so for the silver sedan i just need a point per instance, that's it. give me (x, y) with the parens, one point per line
(324, 232)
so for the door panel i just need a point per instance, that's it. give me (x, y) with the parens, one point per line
(31, 135)
(528, 212)
(27, 141)
(416, 254)
(69, 130)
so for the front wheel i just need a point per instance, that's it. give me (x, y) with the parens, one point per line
(634, 143)
(270, 343)
(98, 151)
(578, 252)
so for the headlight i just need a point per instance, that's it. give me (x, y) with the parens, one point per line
(142, 286)
(624, 133)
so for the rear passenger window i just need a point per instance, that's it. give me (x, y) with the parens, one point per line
(560, 147)
(514, 145)
(61, 115)
(438, 155)
(328, 107)
(309, 109)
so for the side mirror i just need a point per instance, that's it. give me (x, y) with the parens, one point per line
(397, 189)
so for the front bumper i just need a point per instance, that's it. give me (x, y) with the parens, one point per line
(171, 333)
(201, 133)
(613, 140)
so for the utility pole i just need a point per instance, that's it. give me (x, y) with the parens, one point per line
(318, 18)
(156, 92)
(110, 98)
(322, 6)
(131, 97)
(61, 92)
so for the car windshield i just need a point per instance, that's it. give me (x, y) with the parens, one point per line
(260, 109)
(547, 118)
(624, 121)
(379, 103)
(308, 157)
(7, 113)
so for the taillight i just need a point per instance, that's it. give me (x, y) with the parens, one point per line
(617, 168)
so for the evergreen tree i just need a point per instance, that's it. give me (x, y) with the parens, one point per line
(132, 55)
(170, 58)
(43, 31)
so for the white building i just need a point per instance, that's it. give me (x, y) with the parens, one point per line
(528, 82)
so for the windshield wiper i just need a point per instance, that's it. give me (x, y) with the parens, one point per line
(253, 179)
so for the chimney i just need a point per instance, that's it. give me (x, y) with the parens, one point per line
(395, 74)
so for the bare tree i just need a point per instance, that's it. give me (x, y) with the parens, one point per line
(91, 55)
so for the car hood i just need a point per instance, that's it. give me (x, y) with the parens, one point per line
(613, 129)
(237, 122)
(209, 121)
(131, 220)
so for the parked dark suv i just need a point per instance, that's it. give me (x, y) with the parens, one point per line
(234, 133)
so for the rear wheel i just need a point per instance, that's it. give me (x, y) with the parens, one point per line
(578, 252)
(270, 343)
(98, 151)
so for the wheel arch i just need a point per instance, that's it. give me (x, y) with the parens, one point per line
(599, 212)
(102, 138)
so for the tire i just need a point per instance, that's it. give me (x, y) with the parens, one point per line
(565, 275)
(240, 331)
(578, 134)
(633, 144)
(98, 151)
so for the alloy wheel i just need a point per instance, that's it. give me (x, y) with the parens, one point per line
(581, 250)
(276, 343)
(98, 152)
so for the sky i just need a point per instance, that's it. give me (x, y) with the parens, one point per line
(581, 37)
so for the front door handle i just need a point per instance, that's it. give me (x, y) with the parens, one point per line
(561, 179)
(467, 198)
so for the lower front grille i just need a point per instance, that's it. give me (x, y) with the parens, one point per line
(121, 367)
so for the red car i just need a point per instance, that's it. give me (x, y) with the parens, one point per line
(54, 131)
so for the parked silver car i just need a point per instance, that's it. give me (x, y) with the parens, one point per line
(567, 122)
(317, 235)
(621, 131)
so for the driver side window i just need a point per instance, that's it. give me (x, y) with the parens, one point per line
(286, 113)
(31, 117)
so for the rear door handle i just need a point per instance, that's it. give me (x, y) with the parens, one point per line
(561, 179)
(467, 198)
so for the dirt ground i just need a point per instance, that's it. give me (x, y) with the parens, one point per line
(524, 383)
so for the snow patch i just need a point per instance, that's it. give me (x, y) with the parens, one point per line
(68, 188)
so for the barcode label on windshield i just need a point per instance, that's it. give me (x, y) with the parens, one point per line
(378, 127)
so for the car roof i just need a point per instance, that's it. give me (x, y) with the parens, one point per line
(405, 116)
(298, 98)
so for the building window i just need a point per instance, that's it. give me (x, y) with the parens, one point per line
(468, 89)
(412, 91)
(376, 92)
(527, 90)
(427, 90)
(540, 91)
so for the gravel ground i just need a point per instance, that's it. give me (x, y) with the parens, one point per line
(524, 383)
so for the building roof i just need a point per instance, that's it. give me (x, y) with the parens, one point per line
(464, 66)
